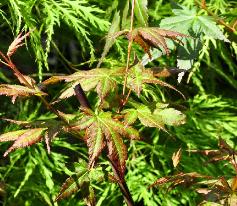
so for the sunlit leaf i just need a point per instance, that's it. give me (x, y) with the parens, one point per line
(176, 157)
(155, 37)
(12, 136)
(141, 12)
(29, 137)
(17, 90)
(95, 141)
(16, 43)
(110, 39)
(102, 130)
(170, 116)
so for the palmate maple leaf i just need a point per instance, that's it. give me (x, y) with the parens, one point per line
(102, 130)
(103, 80)
(146, 37)
(32, 133)
(138, 76)
(22, 138)
(18, 90)
(157, 118)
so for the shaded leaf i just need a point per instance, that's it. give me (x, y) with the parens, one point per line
(189, 21)
(73, 184)
(110, 38)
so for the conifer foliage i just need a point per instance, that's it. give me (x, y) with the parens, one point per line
(118, 101)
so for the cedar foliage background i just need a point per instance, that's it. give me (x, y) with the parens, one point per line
(69, 36)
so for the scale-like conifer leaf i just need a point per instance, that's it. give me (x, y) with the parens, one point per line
(27, 138)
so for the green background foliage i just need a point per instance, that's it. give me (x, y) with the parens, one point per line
(69, 36)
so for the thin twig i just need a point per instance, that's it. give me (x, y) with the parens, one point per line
(218, 19)
(19, 74)
(124, 102)
(129, 47)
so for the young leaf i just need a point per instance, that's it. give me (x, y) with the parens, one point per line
(12, 136)
(170, 116)
(154, 37)
(101, 130)
(95, 142)
(110, 39)
(148, 119)
(181, 178)
(27, 138)
(130, 116)
(155, 118)
(16, 44)
(139, 75)
(17, 90)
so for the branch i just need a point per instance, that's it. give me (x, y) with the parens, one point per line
(217, 19)
(122, 185)
(129, 47)
(81, 96)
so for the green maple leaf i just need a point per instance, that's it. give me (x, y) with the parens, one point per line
(103, 80)
(141, 12)
(188, 21)
(138, 76)
(158, 118)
